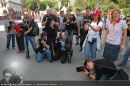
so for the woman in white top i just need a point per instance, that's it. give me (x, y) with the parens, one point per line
(115, 37)
(92, 41)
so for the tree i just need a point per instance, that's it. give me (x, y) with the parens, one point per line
(42, 5)
(79, 4)
(30, 4)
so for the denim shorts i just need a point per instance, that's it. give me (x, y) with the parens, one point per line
(111, 52)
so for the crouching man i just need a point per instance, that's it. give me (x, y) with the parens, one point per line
(100, 69)
(63, 48)
(43, 50)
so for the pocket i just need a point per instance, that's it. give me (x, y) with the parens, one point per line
(93, 40)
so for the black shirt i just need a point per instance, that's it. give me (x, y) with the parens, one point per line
(103, 66)
(51, 32)
(27, 25)
(69, 25)
(128, 33)
(50, 18)
(87, 18)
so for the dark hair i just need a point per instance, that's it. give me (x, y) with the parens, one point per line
(88, 7)
(61, 11)
(87, 61)
(7, 70)
(78, 9)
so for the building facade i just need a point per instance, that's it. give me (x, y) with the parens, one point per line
(12, 7)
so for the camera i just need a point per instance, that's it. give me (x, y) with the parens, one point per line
(81, 68)
(87, 21)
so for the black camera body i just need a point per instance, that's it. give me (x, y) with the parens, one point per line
(81, 69)
(87, 21)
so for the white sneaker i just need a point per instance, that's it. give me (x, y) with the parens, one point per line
(129, 59)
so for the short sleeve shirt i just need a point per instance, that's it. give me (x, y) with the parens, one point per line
(94, 24)
(115, 32)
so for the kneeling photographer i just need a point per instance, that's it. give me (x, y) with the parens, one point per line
(100, 69)
(63, 47)
(43, 50)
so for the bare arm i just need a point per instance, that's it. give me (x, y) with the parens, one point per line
(26, 32)
(44, 23)
(123, 44)
(105, 36)
(94, 29)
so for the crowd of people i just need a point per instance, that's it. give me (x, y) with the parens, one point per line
(56, 40)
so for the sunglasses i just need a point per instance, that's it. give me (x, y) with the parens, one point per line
(27, 17)
(128, 16)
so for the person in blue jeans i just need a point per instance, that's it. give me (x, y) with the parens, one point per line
(92, 40)
(29, 36)
(43, 50)
(126, 56)
(11, 34)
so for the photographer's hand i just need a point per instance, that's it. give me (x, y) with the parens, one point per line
(93, 77)
(26, 32)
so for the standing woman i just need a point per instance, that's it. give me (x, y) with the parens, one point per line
(115, 37)
(92, 40)
(19, 38)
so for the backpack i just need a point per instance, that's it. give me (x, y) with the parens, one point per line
(120, 75)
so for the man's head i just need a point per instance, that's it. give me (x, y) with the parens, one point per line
(88, 10)
(63, 35)
(77, 11)
(49, 11)
(7, 73)
(27, 17)
(68, 13)
(61, 13)
(89, 64)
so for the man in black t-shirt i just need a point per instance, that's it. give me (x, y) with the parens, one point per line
(28, 25)
(70, 23)
(51, 23)
(83, 32)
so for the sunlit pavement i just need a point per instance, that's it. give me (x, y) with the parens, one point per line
(32, 70)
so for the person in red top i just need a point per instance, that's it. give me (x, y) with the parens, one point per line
(19, 38)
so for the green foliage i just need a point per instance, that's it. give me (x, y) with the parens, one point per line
(81, 4)
(30, 4)
(42, 6)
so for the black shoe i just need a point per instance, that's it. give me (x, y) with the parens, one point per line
(80, 50)
(28, 57)
(121, 64)
(77, 44)
(50, 61)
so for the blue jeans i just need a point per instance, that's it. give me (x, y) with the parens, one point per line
(70, 33)
(28, 39)
(41, 55)
(9, 37)
(90, 50)
(126, 55)
(104, 77)
(111, 52)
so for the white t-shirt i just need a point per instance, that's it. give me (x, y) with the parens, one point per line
(94, 25)
(115, 32)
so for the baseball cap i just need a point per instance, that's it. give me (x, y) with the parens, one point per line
(96, 12)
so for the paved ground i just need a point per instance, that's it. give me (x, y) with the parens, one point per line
(31, 70)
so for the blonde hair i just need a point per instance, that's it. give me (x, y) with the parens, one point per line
(114, 11)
